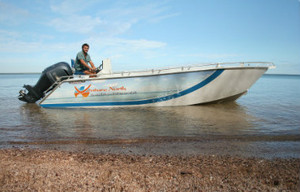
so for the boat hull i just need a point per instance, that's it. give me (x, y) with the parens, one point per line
(174, 89)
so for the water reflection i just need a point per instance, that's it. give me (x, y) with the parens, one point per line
(112, 123)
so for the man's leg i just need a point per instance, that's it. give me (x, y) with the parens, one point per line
(90, 73)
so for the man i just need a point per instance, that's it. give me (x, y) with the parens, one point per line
(83, 60)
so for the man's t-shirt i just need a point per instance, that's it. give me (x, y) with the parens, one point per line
(78, 65)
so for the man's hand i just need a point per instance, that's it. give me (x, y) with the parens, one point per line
(94, 69)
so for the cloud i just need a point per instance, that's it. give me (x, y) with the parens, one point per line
(103, 28)
(163, 17)
(119, 48)
(39, 55)
(8, 35)
(75, 23)
(140, 44)
(118, 19)
(71, 16)
(12, 44)
(124, 16)
(125, 11)
(16, 42)
(68, 7)
(210, 56)
(12, 15)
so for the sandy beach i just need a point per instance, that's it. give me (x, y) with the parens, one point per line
(53, 170)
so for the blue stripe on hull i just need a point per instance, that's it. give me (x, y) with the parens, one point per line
(140, 102)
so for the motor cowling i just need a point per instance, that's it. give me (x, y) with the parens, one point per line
(49, 78)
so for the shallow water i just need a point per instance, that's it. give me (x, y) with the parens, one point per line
(265, 122)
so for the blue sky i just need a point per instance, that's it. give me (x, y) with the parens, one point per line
(149, 34)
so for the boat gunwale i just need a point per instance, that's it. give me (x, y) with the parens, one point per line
(167, 71)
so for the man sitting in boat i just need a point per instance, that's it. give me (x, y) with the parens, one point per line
(82, 62)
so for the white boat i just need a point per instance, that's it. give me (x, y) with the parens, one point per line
(179, 86)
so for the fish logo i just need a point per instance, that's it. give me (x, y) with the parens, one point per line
(82, 91)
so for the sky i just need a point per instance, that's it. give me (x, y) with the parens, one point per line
(148, 34)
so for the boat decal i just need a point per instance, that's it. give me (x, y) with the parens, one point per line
(82, 90)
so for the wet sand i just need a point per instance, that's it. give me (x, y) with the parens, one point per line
(55, 170)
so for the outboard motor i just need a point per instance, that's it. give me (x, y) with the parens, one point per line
(57, 72)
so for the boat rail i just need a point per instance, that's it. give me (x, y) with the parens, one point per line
(208, 66)
(190, 68)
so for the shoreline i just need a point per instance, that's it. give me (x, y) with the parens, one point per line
(57, 170)
(268, 147)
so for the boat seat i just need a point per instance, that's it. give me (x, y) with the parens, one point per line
(73, 65)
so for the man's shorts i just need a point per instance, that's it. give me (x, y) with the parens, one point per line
(79, 73)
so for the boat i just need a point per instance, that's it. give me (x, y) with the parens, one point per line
(60, 87)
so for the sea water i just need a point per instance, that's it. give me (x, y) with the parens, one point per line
(264, 122)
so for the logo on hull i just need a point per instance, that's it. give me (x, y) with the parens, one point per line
(84, 91)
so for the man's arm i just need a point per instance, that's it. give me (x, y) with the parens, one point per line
(85, 64)
(92, 64)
